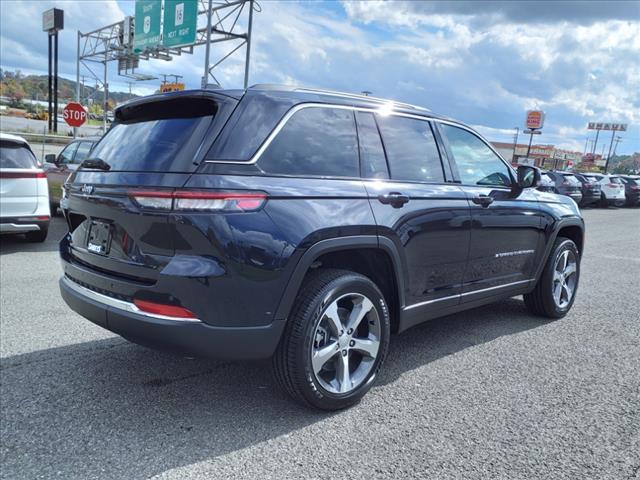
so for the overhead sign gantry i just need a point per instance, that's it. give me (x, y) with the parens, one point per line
(163, 29)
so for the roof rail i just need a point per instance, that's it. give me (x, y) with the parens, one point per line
(317, 91)
(361, 97)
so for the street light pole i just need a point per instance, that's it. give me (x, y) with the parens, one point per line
(515, 144)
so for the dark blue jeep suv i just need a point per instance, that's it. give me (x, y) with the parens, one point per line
(306, 226)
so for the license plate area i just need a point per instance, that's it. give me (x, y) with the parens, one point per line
(99, 239)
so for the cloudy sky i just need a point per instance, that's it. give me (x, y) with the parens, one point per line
(485, 63)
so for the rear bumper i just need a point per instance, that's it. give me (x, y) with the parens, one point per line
(590, 197)
(22, 224)
(190, 337)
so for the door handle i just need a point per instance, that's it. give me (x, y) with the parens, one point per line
(395, 199)
(483, 200)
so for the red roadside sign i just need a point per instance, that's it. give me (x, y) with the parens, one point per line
(74, 114)
(535, 119)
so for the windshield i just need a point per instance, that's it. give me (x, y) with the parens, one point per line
(16, 155)
(164, 145)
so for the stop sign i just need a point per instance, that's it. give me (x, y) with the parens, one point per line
(74, 114)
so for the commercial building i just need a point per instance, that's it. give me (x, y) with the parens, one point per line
(543, 156)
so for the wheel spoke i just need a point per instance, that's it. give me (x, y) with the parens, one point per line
(366, 346)
(323, 355)
(562, 263)
(557, 276)
(331, 313)
(570, 270)
(557, 292)
(359, 311)
(567, 291)
(342, 374)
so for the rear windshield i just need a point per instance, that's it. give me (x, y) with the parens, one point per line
(614, 180)
(15, 155)
(571, 179)
(545, 179)
(163, 145)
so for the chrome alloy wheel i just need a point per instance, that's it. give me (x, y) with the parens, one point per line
(346, 342)
(565, 278)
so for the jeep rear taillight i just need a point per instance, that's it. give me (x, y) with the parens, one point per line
(199, 200)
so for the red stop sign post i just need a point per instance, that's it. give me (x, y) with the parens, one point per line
(74, 114)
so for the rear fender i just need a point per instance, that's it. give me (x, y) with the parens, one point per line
(331, 245)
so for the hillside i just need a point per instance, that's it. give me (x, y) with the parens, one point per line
(18, 87)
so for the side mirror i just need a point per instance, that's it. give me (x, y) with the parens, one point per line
(528, 177)
(50, 158)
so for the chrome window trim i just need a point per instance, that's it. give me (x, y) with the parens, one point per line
(460, 295)
(301, 106)
(119, 304)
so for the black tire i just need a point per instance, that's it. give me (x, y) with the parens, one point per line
(37, 236)
(604, 203)
(541, 301)
(54, 209)
(292, 361)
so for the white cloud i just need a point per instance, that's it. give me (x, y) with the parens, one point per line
(478, 62)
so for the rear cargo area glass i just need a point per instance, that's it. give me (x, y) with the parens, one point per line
(15, 155)
(153, 145)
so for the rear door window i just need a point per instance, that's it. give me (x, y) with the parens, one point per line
(411, 149)
(314, 142)
(372, 158)
(16, 155)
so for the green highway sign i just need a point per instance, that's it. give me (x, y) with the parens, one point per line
(180, 22)
(147, 29)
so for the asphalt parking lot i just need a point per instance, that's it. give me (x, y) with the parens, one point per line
(491, 393)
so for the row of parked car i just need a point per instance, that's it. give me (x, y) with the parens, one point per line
(588, 189)
(31, 192)
(585, 189)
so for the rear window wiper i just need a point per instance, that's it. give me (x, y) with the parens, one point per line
(96, 163)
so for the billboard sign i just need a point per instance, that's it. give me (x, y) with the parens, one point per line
(53, 20)
(616, 127)
(171, 87)
(147, 24)
(180, 23)
(534, 119)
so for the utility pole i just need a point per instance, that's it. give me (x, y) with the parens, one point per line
(595, 144)
(606, 165)
(618, 140)
(585, 146)
(515, 144)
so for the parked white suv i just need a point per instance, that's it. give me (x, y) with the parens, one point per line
(611, 187)
(24, 194)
